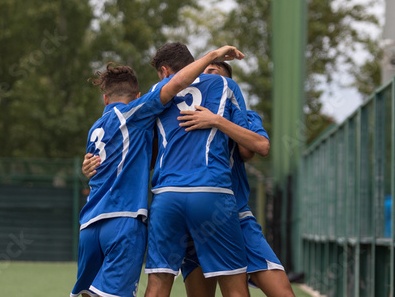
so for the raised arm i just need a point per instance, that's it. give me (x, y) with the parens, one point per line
(203, 118)
(188, 74)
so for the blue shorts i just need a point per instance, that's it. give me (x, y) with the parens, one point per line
(190, 261)
(110, 257)
(260, 255)
(210, 219)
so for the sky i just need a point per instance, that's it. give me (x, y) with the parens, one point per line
(340, 102)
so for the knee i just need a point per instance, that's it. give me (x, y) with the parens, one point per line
(159, 285)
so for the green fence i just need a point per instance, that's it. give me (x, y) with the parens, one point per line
(39, 205)
(40, 201)
(347, 209)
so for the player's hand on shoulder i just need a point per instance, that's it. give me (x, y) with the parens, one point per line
(89, 165)
(201, 118)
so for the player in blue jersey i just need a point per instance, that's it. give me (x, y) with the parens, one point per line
(113, 232)
(192, 185)
(221, 68)
(264, 268)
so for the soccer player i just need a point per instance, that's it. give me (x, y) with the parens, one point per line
(113, 232)
(264, 268)
(192, 185)
(221, 68)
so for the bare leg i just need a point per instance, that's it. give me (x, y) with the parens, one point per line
(159, 285)
(234, 285)
(197, 285)
(274, 283)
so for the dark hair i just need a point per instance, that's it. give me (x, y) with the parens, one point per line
(117, 80)
(225, 66)
(174, 55)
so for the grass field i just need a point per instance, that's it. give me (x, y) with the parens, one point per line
(53, 279)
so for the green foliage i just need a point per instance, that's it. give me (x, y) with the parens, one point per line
(251, 26)
(50, 48)
(334, 34)
(47, 108)
(130, 31)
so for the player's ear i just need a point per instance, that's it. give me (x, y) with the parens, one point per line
(138, 95)
(105, 99)
(165, 71)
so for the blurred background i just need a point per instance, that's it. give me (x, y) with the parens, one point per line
(334, 59)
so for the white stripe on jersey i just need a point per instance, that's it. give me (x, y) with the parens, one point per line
(245, 214)
(132, 111)
(125, 137)
(164, 141)
(192, 190)
(224, 97)
(125, 133)
(220, 112)
(209, 140)
(154, 87)
(231, 95)
(130, 214)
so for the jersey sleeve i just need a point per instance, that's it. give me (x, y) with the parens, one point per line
(238, 94)
(238, 105)
(255, 123)
(147, 107)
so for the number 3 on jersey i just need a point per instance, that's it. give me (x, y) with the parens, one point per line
(196, 98)
(96, 137)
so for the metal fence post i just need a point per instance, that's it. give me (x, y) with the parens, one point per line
(75, 211)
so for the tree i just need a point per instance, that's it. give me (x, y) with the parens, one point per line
(130, 31)
(332, 38)
(47, 107)
(48, 51)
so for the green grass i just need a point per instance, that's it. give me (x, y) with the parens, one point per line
(53, 279)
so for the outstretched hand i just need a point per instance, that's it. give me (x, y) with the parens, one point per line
(228, 53)
(201, 118)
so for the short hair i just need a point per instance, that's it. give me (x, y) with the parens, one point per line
(174, 55)
(225, 66)
(117, 81)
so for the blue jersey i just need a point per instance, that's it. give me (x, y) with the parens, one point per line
(123, 138)
(198, 161)
(239, 175)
